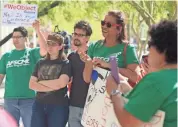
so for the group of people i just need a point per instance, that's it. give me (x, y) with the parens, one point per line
(36, 86)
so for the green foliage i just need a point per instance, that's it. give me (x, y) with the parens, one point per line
(138, 13)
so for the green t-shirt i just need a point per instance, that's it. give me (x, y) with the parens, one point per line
(99, 50)
(156, 91)
(18, 67)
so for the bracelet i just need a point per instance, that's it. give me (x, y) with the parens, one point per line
(115, 92)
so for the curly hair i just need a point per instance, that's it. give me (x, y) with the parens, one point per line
(163, 36)
(22, 30)
(84, 25)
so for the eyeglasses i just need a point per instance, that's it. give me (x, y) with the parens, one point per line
(108, 24)
(16, 37)
(79, 35)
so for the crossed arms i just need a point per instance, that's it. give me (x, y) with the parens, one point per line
(48, 85)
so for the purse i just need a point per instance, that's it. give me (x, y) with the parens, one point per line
(141, 73)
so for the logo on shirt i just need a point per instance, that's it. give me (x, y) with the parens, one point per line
(106, 59)
(24, 61)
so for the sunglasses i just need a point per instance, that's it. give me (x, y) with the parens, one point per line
(108, 24)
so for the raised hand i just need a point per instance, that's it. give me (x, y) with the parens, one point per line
(36, 25)
(84, 57)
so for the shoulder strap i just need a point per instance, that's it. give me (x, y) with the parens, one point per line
(124, 54)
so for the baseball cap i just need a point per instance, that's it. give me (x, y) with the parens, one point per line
(55, 38)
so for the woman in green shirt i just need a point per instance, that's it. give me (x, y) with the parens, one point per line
(157, 90)
(115, 41)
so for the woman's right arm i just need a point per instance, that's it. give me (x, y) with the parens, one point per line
(88, 66)
(88, 71)
(88, 59)
(34, 85)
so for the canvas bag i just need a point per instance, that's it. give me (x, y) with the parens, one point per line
(98, 110)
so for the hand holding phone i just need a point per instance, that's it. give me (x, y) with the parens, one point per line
(114, 69)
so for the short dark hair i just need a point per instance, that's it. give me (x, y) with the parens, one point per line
(164, 39)
(84, 25)
(22, 30)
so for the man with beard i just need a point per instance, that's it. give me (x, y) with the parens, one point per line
(79, 88)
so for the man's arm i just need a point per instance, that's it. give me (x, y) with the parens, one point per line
(1, 78)
(41, 38)
(34, 85)
(56, 84)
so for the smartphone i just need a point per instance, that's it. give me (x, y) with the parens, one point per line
(114, 69)
(145, 58)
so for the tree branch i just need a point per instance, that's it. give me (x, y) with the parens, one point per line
(46, 9)
(142, 11)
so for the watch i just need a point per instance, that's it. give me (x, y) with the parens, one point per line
(115, 92)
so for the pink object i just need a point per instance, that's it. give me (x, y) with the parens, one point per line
(114, 69)
(6, 120)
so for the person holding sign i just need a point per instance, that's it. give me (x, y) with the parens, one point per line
(114, 32)
(17, 65)
(157, 91)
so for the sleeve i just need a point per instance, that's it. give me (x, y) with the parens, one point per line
(36, 53)
(3, 64)
(131, 55)
(145, 100)
(70, 62)
(69, 57)
(35, 72)
(66, 69)
(90, 50)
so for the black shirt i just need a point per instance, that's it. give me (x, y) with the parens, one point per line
(79, 88)
(49, 70)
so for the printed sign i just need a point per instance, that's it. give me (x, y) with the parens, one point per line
(98, 110)
(19, 14)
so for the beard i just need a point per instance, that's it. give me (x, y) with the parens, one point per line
(77, 42)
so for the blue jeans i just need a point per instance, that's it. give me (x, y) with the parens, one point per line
(48, 115)
(75, 116)
(20, 108)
